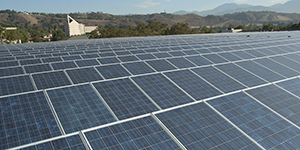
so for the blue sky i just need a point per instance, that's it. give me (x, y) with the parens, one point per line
(118, 7)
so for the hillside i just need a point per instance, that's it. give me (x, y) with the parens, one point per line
(25, 20)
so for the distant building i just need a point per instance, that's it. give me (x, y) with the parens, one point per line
(232, 30)
(72, 27)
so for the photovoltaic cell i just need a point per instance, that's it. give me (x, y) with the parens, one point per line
(243, 55)
(113, 71)
(162, 55)
(84, 75)
(161, 65)
(76, 57)
(255, 53)
(261, 124)
(9, 63)
(30, 61)
(63, 65)
(142, 133)
(277, 67)
(292, 86)
(229, 56)
(199, 60)
(192, 84)
(67, 143)
(128, 58)
(177, 53)
(18, 84)
(88, 62)
(11, 71)
(241, 75)
(199, 127)
(51, 59)
(215, 58)
(79, 107)
(218, 79)
(37, 68)
(277, 99)
(138, 68)
(293, 57)
(180, 62)
(162, 91)
(124, 98)
(261, 71)
(287, 62)
(145, 56)
(50, 79)
(109, 60)
(24, 119)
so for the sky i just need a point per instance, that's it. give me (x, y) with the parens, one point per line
(122, 7)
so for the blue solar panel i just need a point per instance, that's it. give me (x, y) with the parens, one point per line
(261, 124)
(145, 56)
(75, 57)
(218, 79)
(84, 75)
(37, 68)
(88, 62)
(108, 54)
(177, 53)
(50, 80)
(161, 65)
(24, 119)
(142, 133)
(124, 98)
(67, 143)
(190, 52)
(199, 60)
(86, 56)
(287, 62)
(293, 57)
(128, 58)
(199, 127)
(243, 55)
(192, 84)
(12, 85)
(162, 55)
(79, 107)
(181, 62)
(63, 65)
(261, 71)
(109, 60)
(277, 99)
(229, 56)
(30, 61)
(11, 71)
(138, 68)
(162, 91)
(119, 53)
(9, 63)
(113, 71)
(215, 58)
(277, 67)
(292, 86)
(241, 75)
(51, 59)
(255, 53)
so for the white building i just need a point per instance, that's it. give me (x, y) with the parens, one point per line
(72, 27)
(232, 30)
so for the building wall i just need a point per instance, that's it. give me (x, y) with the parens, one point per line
(89, 29)
(72, 27)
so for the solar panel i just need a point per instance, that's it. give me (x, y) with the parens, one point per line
(161, 65)
(51, 59)
(50, 79)
(181, 62)
(162, 55)
(218, 79)
(75, 57)
(79, 107)
(124, 98)
(25, 119)
(112, 71)
(287, 62)
(84, 75)
(261, 124)
(37, 68)
(177, 53)
(162, 91)
(241, 75)
(9, 63)
(243, 55)
(277, 67)
(87, 62)
(11, 71)
(255, 53)
(291, 85)
(65, 143)
(229, 56)
(145, 56)
(261, 71)
(128, 58)
(63, 65)
(199, 60)
(17, 84)
(192, 84)
(138, 68)
(143, 133)
(199, 127)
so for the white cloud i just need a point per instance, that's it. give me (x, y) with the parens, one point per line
(278, 1)
(147, 4)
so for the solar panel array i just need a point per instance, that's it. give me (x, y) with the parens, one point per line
(219, 91)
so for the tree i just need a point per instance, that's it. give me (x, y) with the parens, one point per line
(35, 34)
(180, 28)
(58, 35)
(241, 27)
(2, 30)
(269, 26)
